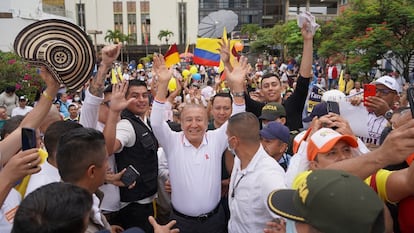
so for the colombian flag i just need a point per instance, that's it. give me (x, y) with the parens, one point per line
(171, 56)
(206, 52)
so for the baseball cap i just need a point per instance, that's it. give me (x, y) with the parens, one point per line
(319, 110)
(271, 111)
(299, 138)
(323, 140)
(389, 82)
(331, 201)
(276, 130)
(22, 97)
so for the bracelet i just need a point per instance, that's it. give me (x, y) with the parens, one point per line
(47, 96)
(238, 94)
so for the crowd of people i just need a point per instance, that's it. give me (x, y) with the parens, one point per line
(244, 150)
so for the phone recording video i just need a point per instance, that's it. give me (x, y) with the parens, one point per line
(369, 90)
(28, 138)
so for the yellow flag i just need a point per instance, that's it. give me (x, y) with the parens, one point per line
(114, 80)
(341, 81)
(119, 71)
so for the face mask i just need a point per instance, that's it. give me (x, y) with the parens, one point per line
(264, 125)
(76, 98)
(290, 226)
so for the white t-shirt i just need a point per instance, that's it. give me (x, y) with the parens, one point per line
(48, 174)
(8, 210)
(21, 111)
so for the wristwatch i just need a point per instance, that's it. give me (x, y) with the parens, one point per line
(388, 114)
(238, 94)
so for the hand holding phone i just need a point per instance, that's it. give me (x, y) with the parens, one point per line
(369, 90)
(131, 174)
(28, 138)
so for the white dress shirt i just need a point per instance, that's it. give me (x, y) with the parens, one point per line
(248, 192)
(195, 173)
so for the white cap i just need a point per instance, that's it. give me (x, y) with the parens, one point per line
(389, 82)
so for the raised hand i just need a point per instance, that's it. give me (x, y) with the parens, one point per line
(237, 76)
(118, 101)
(110, 53)
(20, 165)
(224, 50)
(47, 76)
(164, 74)
(306, 31)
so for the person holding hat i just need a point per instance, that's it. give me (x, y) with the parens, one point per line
(328, 201)
(22, 109)
(275, 138)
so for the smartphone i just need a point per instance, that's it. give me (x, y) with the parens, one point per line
(131, 174)
(369, 90)
(333, 106)
(410, 97)
(28, 138)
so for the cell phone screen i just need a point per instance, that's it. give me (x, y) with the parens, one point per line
(369, 90)
(28, 138)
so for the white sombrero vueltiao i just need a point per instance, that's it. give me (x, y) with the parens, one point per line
(63, 47)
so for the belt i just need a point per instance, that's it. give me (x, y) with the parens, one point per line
(201, 217)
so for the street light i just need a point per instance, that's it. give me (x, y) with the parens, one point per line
(94, 33)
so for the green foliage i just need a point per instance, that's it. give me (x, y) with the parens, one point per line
(250, 29)
(166, 34)
(113, 36)
(368, 31)
(15, 72)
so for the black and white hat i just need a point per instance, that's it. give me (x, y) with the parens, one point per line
(63, 47)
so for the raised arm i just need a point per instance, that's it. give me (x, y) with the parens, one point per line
(305, 69)
(109, 54)
(396, 148)
(118, 103)
(12, 144)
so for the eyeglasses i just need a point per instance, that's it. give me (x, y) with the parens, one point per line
(384, 91)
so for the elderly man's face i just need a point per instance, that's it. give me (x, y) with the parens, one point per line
(383, 92)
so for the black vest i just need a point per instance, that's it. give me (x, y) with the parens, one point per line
(143, 156)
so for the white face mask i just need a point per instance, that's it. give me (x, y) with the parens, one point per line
(290, 226)
(231, 149)
(76, 98)
(264, 125)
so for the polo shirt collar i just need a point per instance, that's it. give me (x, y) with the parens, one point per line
(188, 144)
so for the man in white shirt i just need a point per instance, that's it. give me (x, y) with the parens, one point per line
(49, 172)
(22, 109)
(194, 156)
(255, 174)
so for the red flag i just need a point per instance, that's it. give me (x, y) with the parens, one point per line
(171, 56)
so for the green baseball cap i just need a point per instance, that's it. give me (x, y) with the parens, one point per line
(271, 111)
(331, 201)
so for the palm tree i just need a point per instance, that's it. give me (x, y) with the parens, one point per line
(250, 30)
(113, 36)
(166, 34)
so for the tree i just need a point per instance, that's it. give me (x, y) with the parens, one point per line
(15, 72)
(251, 30)
(370, 30)
(165, 34)
(113, 36)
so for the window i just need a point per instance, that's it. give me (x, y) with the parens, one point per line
(145, 22)
(80, 15)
